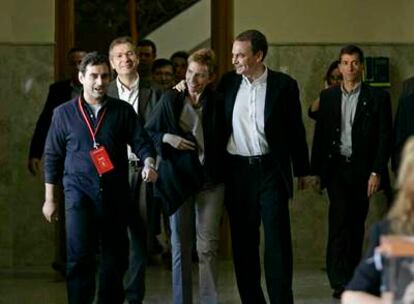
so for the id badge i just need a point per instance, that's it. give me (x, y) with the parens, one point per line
(101, 160)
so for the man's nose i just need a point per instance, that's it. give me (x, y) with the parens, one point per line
(99, 80)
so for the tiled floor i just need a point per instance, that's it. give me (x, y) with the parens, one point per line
(38, 286)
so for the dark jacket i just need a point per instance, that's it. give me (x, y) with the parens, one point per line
(366, 277)
(148, 97)
(403, 127)
(371, 133)
(284, 128)
(180, 172)
(59, 92)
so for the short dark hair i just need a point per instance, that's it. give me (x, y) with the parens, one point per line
(147, 42)
(257, 40)
(180, 54)
(160, 63)
(93, 58)
(76, 50)
(120, 40)
(351, 49)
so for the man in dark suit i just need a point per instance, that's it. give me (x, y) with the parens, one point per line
(266, 136)
(128, 87)
(59, 92)
(351, 148)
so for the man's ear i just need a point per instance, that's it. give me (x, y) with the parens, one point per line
(259, 56)
(80, 77)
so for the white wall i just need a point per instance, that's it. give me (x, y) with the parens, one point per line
(27, 21)
(328, 21)
(187, 30)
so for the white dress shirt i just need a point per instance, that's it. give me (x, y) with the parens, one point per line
(130, 95)
(248, 137)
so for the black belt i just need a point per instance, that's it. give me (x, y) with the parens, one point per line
(251, 160)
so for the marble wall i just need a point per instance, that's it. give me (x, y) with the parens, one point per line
(27, 70)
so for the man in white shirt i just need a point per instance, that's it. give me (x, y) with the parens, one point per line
(266, 139)
(127, 86)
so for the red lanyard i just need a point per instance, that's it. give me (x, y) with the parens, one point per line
(88, 124)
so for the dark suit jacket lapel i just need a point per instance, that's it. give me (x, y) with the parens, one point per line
(143, 100)
(337, 104)
(235, 84)
(363, 100)
(113, 89)
(272, 93)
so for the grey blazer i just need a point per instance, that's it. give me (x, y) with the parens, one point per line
(148, 97)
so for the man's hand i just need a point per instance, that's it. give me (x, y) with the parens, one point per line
(49, 210)
(149, 175)
(315, 183)
(33, 165)
(178, 142)
(373, 183)
(181, 86)
(302, 182)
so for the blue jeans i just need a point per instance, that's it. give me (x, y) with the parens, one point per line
(207, 207)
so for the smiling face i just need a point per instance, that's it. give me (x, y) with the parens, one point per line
(95, 82)
(197, 78)
(245, 62)
(124, 59)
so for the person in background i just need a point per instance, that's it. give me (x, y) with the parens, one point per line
(59, 92)
(163, 74)
(364, 287)
(87, 147)
(350, 153)
(179, 60)
(332, 77)
(147, 52)
(187, 131)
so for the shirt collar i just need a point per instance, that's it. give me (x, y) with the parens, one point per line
(123, 88)
(257, 82)
(354, 91)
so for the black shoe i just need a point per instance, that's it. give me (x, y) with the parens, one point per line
(338, 293)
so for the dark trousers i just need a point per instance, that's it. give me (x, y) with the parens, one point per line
(95, 226)
(255, 194)
(134, 282)
(348, 208)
